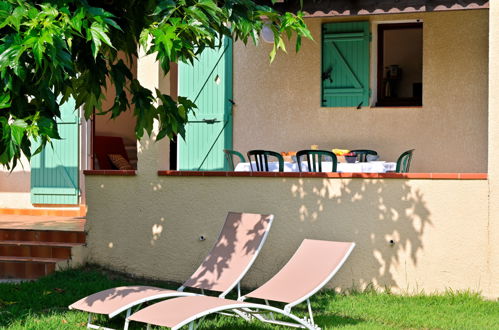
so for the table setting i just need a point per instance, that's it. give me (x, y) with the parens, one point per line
(348, 162)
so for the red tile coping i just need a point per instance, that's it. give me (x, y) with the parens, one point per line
(49, 210)
(111, 172)
(430, 176)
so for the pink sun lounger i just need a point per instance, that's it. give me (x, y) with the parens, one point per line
(235, 250)
(311, 268)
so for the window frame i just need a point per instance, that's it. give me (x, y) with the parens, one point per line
(382, 27)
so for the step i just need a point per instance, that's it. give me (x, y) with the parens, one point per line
(15, 248)
(27, 267)
(31, 247)
(48, 210)
(31, 259)
(42, 235)
(40, 243)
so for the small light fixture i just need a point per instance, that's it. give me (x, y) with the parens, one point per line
(267, 33)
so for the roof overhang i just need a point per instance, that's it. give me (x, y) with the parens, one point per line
(321, 8)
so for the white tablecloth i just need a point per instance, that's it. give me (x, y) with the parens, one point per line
(368, 167)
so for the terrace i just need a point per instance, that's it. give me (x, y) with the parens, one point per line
(429, 229)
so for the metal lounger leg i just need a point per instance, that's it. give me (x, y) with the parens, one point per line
(127, 321)
(271, 314)
(310, 312)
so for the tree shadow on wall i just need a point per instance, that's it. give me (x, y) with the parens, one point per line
(385, 218)
(238, 243)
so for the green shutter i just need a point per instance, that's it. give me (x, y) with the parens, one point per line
(209, 84)
(54, 171)
(345, 64)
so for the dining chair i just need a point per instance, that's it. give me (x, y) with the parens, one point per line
(261, 158)
(315, 159)
(362, 154)
(404, 161)
(229, 155)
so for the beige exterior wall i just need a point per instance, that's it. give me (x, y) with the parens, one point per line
(15, 186)
(493, 252)
(124, 125)
(278, 104)
(439, 227)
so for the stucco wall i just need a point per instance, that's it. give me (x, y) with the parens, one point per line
(278, 104)
(15, 186)
(124, 125)
(493, 251)
(439, 226)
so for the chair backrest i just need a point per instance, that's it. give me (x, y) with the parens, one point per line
(235, 250)
(315, 158)
(106, 145)
(309, 269)
(230, 159)
(404, 161)
(261, 158)
(362, 154)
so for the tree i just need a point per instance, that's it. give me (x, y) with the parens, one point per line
(53, 50)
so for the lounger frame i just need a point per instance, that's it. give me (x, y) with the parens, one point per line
(180, 291)
(250, 310)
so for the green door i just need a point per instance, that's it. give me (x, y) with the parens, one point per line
(209, 84)
(54, 171)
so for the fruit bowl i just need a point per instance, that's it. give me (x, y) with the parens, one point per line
(351, 159)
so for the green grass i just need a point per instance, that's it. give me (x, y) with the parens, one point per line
(43, 305)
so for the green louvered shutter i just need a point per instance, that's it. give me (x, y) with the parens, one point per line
(209, 84)
(54, 171)
(345, 64)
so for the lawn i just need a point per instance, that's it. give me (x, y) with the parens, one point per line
(43, 304)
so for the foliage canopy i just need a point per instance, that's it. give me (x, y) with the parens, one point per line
(53, 50)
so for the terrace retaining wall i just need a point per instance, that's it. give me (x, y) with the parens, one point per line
(149, 225)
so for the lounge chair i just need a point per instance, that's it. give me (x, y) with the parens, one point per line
(235, 250)
(310, 268)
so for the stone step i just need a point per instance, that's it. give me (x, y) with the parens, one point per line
(37, 249)
(27, 267)
(33, 246)
(31, 259)
(39, 243)
(48, 210)
(42, 236)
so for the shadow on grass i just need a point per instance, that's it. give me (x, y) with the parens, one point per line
(42, 304)
(25, 302)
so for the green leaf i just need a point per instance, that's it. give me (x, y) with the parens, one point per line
(48, 127)
(4, 100)
(18, 128)
(17, 16)
(77, 21)
(98, 34)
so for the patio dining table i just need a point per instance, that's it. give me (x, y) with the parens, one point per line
(361, 167)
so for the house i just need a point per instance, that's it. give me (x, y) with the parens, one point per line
(379, 75)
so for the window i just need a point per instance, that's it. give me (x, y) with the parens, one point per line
(400, 64)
